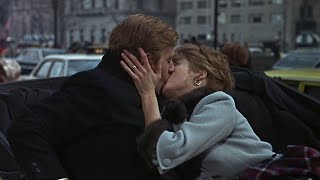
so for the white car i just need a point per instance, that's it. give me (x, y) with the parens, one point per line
(63, 65)
(28, 58)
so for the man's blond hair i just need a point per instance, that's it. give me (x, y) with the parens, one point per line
(147, 32)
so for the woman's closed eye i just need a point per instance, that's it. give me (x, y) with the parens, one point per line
(176, 62)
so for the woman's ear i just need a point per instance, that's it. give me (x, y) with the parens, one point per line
(200, 75)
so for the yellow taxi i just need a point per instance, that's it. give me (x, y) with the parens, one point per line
(304, 80)
(97, 49)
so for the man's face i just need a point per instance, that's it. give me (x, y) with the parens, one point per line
(167, 67)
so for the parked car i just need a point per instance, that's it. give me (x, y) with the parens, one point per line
(28, 58)
(304, 80)
(304, 58)
(63, 65)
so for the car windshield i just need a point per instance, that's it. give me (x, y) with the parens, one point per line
(296, 60)
(81, 65)
(49, 52)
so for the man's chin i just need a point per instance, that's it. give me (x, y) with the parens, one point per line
(159, 88)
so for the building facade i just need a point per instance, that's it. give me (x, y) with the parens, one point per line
(91, 21)
(31, 20)
(4, 20)
(83, 21)
(256, 22)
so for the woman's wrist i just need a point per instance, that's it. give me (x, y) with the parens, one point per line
(148, 95)
(150, 107)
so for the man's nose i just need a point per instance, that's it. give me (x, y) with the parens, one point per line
(171, 67)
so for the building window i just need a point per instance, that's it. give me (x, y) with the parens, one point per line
(139, 4)
(116, 4)
(92, 36)
(86, 4)
(202, 20)
(222, 3)
(202, 4)
(256, 2)
(93, 3)
(232, 37)
(186, 5)
(202, 37)
(255, 18)
(222, 18)
(306, 11)
(185, 20)
(160, 4)
(224, 37)
(235, 19)
(236, 3)
(71, 36)
(276, 18)
(82, 5)
(279, 2)
(71, 5)
(81, 35)
(104, 3)
(103, 35)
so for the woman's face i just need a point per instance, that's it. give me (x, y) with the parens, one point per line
(181, 80)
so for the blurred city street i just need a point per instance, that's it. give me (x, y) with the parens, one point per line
(30, 30)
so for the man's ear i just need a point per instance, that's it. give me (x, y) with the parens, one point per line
(152, 62)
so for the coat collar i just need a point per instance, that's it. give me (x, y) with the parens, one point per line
(111, 64)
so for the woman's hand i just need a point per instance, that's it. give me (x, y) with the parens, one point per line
(145, 81)
(144, 78)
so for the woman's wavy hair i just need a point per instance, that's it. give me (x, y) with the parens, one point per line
(213, 62)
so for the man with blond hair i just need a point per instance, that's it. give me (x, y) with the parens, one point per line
(88, 129)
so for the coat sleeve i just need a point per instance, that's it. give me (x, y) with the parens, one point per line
(147, 142)
(38, 131)
(213, 119)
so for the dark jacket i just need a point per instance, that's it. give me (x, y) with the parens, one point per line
(278, 114)
(86, 130)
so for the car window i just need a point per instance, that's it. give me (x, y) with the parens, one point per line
(29, 54)
(75, 66)
(300, 61)
(43, 70)
(49, 52)
(22, 53)
(56, 69)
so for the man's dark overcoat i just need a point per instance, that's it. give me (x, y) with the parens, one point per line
(86, 130)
